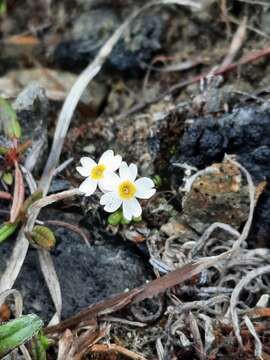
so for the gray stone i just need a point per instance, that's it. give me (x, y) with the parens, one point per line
(90, 31)
(31, 107)
(86, 274)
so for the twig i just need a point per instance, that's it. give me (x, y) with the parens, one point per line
(118, 349)
(71, 227)
(21, 245)
(194, 328)
(235, 295)
(255, 2)
(183, 65)
(48, 200)
(258, 345)
(29, 179)
(51, 278)
(205, 236)
(18, 196)
(237, 42)
(88, 339)
(252, 203)
(123, 321)
(209, 333)
(201, 304)
(63, 166)
(64, 345)
(5, 195)
(256, 313)
(249, 27)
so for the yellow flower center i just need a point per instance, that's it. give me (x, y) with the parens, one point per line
(97, 172)
(127, 190)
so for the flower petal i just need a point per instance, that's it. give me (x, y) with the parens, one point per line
(88, 186)
(131, 208)
(133, 171)
(145, 188)
(146, 194)
(124, 171)
(111, 201)
(111, 162)
(114, 163)
(87, 166)
(127, 172)
(83, 171)
(88, 162)
(109, 182)
(106, 157)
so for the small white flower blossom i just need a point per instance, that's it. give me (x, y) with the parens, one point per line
(97, 173)
(124, 190)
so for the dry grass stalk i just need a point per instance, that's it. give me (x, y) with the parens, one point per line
(235, 296)
(104, 348)
(71, 227)
(237, 42)
(5, 195)
(18, 196)
(258, 343)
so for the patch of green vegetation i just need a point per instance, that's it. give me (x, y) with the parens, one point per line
(3, 7)
(117, 218)
(18, 331)
(157, 181)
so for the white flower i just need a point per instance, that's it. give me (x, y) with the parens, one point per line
(97, 174)
(124, 189)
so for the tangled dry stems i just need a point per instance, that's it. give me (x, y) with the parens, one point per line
(225, 292)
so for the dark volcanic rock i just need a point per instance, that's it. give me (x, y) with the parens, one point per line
(260, 231)
(244, 132)
(86, 274)
(91, 30)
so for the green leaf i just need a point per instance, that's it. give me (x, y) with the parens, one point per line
(3, 150)
(137, 219)
(39, 345)
(16, 332)
(118, 218)
(157, 180)
(115, 218)
(7, 178)
(43, 237)
(3, 7)
(8, 120)
(7, 230)
(46, 342)
(124, 221)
